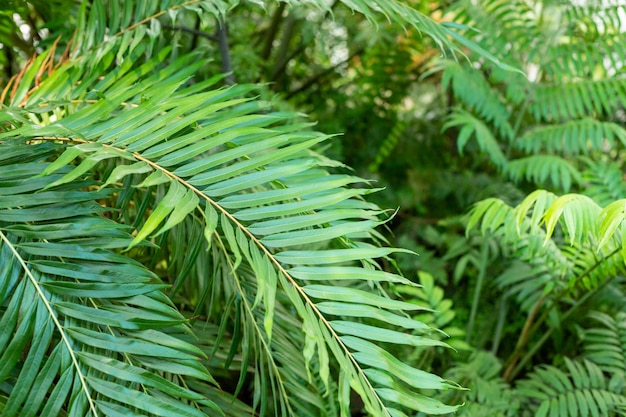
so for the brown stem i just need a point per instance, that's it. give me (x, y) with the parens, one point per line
(523, 338)
(281, 57)
(318, 77)
(512, 369)
(273, 30)
(194, 32)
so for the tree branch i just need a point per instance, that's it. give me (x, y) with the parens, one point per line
(192, 31)
(273, 30)
(318, 77)
(221, 33)
(281, 58)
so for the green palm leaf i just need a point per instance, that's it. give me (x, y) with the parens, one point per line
(70, 302)
(207, 158)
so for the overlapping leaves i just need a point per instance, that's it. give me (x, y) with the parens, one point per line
(84, 329)
(286, 228)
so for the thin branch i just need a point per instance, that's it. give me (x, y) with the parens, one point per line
(194, 40)
(281, 57)
(531, 327)
(192, 31)
(8, 67)
(523, 338)
(279, 70)
(549, 332)
(320, 76)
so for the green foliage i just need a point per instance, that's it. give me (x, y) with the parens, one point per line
(583, 390)
(604, 345)
(163, 235)
(490, 395)
(554, 254)
(179, 242)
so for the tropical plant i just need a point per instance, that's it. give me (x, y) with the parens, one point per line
(558, 258)
(170, 246)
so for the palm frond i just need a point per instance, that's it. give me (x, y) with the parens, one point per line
(446, 35)
(84, 328)
(263, 198)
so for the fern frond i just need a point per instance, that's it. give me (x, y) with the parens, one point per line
(578, 99)
(438, 312)
(489, 395)
(606, 15)
(264, 200)
(581, 390)
(389, 143)
(546, 265)
(605, 344)
(518, 17)
(541, 169)
(472, 90)
(573, 137)
(604, 181)
(595, 53)
(470, 127)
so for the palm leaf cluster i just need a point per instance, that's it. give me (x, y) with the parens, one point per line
(163, 236)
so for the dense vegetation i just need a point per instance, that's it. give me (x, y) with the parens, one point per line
(178, 238)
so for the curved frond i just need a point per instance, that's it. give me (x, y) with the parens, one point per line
(85, 329)
(470, 127)
(581, 390)
(265, 202)
(547, 264)
(472, 90)
(605, 344)
(574, 137)
(541, 169)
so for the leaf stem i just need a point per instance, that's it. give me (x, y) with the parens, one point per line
(273, 260)
(531, 328)
(482, 270)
